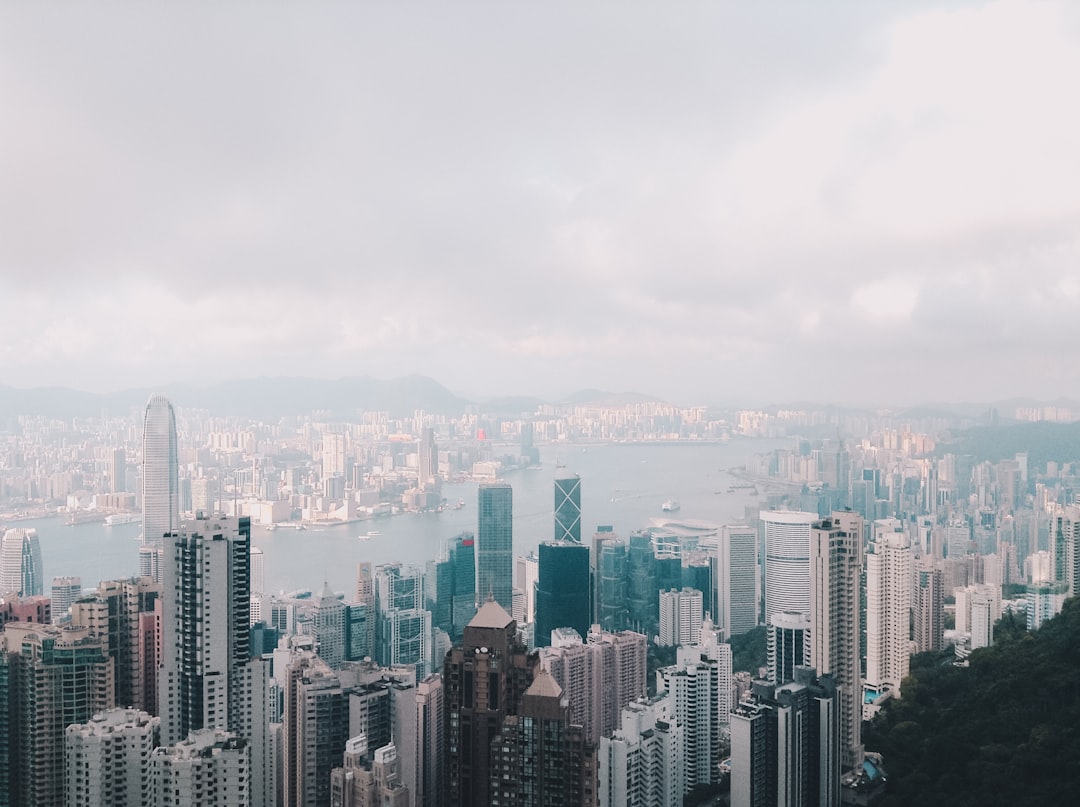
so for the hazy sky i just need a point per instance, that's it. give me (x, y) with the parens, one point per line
(725, 200)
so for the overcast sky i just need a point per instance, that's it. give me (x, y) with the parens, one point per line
(707, 202)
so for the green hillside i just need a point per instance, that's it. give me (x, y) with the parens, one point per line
(1005, 730)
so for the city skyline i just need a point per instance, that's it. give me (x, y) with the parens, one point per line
(681, 218)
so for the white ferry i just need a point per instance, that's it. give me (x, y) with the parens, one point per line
(121, 518)
(670, 506)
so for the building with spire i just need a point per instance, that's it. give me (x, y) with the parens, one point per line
(484, 679)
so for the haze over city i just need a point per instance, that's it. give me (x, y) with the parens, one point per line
(726, 202)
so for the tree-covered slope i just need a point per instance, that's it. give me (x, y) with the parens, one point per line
(1005, 730)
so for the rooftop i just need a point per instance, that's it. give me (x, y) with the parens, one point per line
(491, 615)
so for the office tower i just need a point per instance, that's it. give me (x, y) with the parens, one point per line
(205, 627)
(365, 596)
(680, 617)
(314, 731)
(328, 627)
(562, 589)
(333, 454)
(787, 561)
(450, 588)
(835, 577)
(694, 687)
(642, 602)
(367, 779)
(258, 571)
(495, 544)
(56, 677)
(359, 625)
(105, 759)
(118, 471)
(65, 590)
(427, 470)
(598, 677)
(567, 506)
(160, 472)
(540, 756)
(484, 679)
(611, 611)
(736, 601)
(208, 767)
(526, 574)
(123, 615)
(785, 744)
(20, 564)
(403, 625)
(928, 606)
(957, 538)
(641, 763)
(888, 607)
(788, 644)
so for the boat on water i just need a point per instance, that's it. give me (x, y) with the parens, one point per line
(670, 506)
(460, 504)
(121, 518)
(373, 533)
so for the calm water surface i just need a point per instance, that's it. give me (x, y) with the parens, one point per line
(622, 485)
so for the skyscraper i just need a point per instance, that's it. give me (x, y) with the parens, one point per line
(735, 580)
(118, 471)
(541, 756)
(427, 469)
(787, 561)
(328, 627)
(495, 544)
(56, 677)
(785, 744)
(484, 678)
(888, 607)
(65, 590)
(567, 506)
(205, 627)
(835, 572)
(403, 629)
(20, 563)
(928, 606)
(680, 617)
(562, 589)
(160, 471)
(314, 731)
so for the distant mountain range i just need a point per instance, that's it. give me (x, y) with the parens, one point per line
(270, 398)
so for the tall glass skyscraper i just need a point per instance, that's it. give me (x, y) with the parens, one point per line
(495, 545)
(562, 590)
(20, 563)
(567, 506)
(160, 471)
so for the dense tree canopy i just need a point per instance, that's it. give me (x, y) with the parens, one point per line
(1004, 730)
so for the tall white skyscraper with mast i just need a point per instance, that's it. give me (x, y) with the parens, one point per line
(160, 471)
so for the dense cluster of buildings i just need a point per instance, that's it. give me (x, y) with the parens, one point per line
(485, 678)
